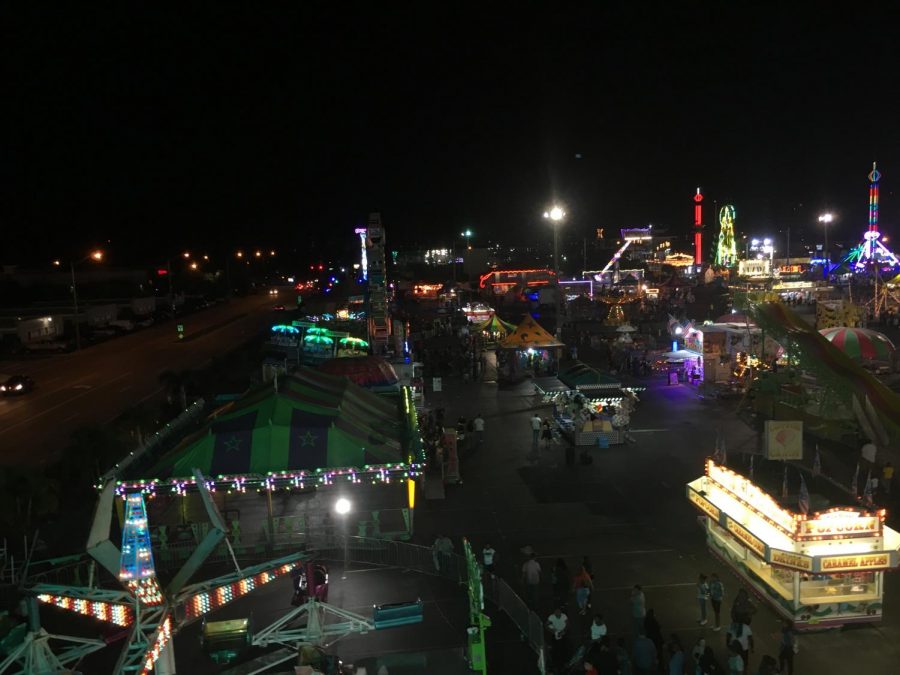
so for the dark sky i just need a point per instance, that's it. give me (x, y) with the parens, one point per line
(208, 128)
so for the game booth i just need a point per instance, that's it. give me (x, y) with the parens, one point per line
(823, 569)
(528, 349)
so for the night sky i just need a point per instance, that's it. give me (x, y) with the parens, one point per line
(210, 129)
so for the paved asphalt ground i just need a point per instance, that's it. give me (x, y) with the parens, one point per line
(628, 512)
(97, 384)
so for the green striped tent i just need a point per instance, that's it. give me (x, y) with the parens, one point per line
(314, 421)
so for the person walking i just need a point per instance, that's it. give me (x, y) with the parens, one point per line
(478, 429)
(536, 423)
(531, 577)
(622, 658)
(742, 609)
(441, 551)
(638, 609)
(653, 630)
(598, 629)
(676, 656)
(583, 586)
(708, 665)
(546, 433)
(736, 664)
(559, 579)
(644, 655)
(557, 625)
(487, 557)
(716, 595)
(740, 634)
(787, 648)
(702, 597)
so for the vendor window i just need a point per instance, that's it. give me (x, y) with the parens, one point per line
(852, 586)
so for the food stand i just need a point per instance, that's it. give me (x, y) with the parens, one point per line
(821, 570)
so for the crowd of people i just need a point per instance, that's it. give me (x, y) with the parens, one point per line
(587, 645)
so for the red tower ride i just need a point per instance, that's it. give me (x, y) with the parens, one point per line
(698, 228)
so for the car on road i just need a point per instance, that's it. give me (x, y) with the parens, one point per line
(15, 385)
(278, 308)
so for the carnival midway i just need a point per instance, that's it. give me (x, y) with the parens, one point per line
(677, 458)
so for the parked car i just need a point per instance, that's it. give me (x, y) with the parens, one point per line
(16, 385)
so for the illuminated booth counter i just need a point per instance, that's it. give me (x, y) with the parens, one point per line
(821, 570)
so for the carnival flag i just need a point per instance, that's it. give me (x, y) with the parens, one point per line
(817, 463)
(784, 489)
(724, 457)
(803, 501)
(867, 492)
(854, 484)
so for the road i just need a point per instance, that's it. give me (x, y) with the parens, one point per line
(97, 384)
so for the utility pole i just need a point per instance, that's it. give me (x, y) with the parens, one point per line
(75, 306)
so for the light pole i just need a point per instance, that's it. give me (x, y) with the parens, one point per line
(342, 507)
(467, 234)
(825, 219)
(94, 255)
(556, 215)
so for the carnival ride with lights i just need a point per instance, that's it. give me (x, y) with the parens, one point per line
(726, 246)
(871, 257)
(153, 613)
(845, 390)
(634, 235)
(153, 610)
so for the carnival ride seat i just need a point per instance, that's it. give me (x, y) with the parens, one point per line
(225, 641)
(397, 614)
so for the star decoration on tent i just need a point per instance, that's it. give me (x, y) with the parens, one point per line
(308, 439)
(233, 444)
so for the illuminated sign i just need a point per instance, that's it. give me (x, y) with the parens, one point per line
(792, 560)
(849, 563)
(751, 495)
(840, 524)
(121, 615)
(754, 543)
(704, 505)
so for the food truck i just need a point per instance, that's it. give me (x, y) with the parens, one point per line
(823, 569)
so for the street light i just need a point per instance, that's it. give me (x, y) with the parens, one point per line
(96, 256)
(467, 234)
(343, 507)
(556, 215)
(826, 218)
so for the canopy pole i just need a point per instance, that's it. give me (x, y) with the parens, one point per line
(271, 518)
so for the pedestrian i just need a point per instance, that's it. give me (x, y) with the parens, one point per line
(598, 628)
(736, 664)
(676, 656)
(558, 624)
(559, 579)
(487, 556)
(441, 551)
(702, 597)
(697, 655)
(787, 648)
(478, 427)
(708, 664)
(622, 658)
(531, 577)
(638, 609)
(716, 595)
(742, 609)
(887, 477)
(583, 586)
(535, 430)
(604, 659)
(740, 634)
(644, 655)
(546, 433)
(653, 630)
